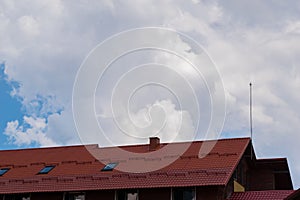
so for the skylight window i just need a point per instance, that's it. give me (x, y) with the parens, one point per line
(109, 167)
(46, 170)
(3, 171)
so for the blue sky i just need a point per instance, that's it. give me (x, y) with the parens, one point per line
(11, 108)
(44, 43)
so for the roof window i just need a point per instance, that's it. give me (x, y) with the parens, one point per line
(3, 171)
(109, 167)
(46, 169)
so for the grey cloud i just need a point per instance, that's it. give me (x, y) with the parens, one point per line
(248, 40)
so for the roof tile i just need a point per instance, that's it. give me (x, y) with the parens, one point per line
(77, 167)
(265, 195)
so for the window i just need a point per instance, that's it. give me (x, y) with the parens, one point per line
(17, 197)
(46, 170)
(75, 196)
(3, 171)
(239, 175)
(127, 195)
(184, 194)
(109, 167)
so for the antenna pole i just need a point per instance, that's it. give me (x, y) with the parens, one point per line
(251, 129)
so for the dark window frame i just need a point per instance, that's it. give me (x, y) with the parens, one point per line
(123, 194)
(183, 192)
(72, 195)
(109, 166)
(47, 169)
(4, 171)
(17, 196)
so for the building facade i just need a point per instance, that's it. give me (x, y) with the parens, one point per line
(230, 170)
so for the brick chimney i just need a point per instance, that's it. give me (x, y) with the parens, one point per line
(154, 143)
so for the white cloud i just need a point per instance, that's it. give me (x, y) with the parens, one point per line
(293, 27)
(31, 132)
(160, 119)
(249, 41)
(29, 25)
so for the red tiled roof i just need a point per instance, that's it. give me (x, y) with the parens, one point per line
(81, 171)
(265, 195)
(294, 195)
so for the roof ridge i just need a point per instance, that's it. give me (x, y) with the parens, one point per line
(182, 142)
(120, 146)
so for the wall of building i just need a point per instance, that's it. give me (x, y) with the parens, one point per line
(202, 193)
(155, 194)
(261, 179)
(210, 193)
(144, 194)
(100, 194)
(47, 196)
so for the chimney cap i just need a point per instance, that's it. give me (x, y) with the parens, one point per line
(154, 143)
(154, 137)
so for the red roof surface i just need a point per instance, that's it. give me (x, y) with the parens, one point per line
(294, 195)
(265, 195)
(76, 169)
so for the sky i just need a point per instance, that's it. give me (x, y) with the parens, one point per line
(44, 46)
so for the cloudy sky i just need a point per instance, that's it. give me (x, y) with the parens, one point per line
(44, 43)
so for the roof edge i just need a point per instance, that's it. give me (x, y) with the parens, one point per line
(249, 142)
